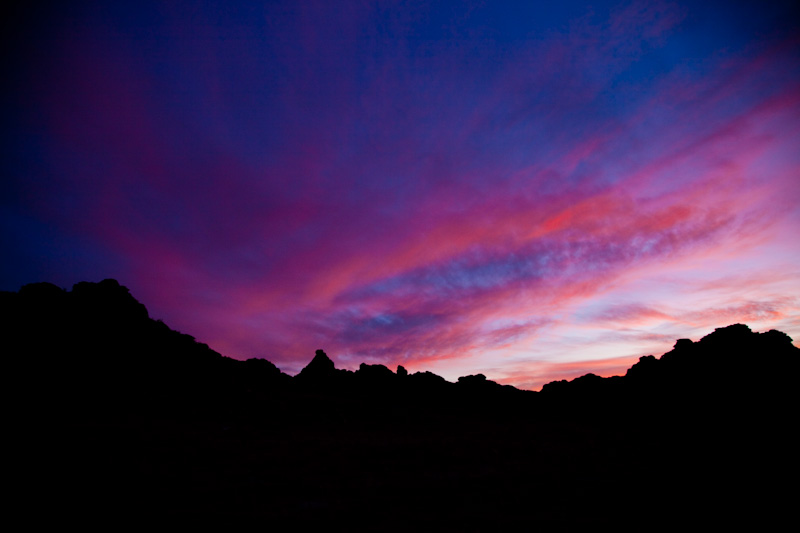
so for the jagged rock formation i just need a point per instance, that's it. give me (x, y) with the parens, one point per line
(733, 364)
(123, 416)
(319, 369)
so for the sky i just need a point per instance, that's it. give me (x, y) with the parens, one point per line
(528, 190)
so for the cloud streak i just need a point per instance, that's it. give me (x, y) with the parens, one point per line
(415, 186)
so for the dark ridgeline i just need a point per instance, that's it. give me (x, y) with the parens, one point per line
(115, 417)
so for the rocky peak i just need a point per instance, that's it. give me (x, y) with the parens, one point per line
(320, 366)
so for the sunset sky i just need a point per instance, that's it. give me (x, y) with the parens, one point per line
(529, 190)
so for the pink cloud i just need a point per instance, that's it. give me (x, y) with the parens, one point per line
(536, 375)
(420, 218)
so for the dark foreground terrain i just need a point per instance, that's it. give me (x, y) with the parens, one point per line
(116, 419)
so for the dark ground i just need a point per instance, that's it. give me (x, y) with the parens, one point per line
(117, 419)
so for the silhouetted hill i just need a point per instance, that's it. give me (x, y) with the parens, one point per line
(95, 348)
(123, 417)
(732, 365)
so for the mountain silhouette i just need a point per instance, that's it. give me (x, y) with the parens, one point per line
(120, 416)
(320, 368)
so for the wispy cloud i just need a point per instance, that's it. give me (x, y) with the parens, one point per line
(407, 186)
